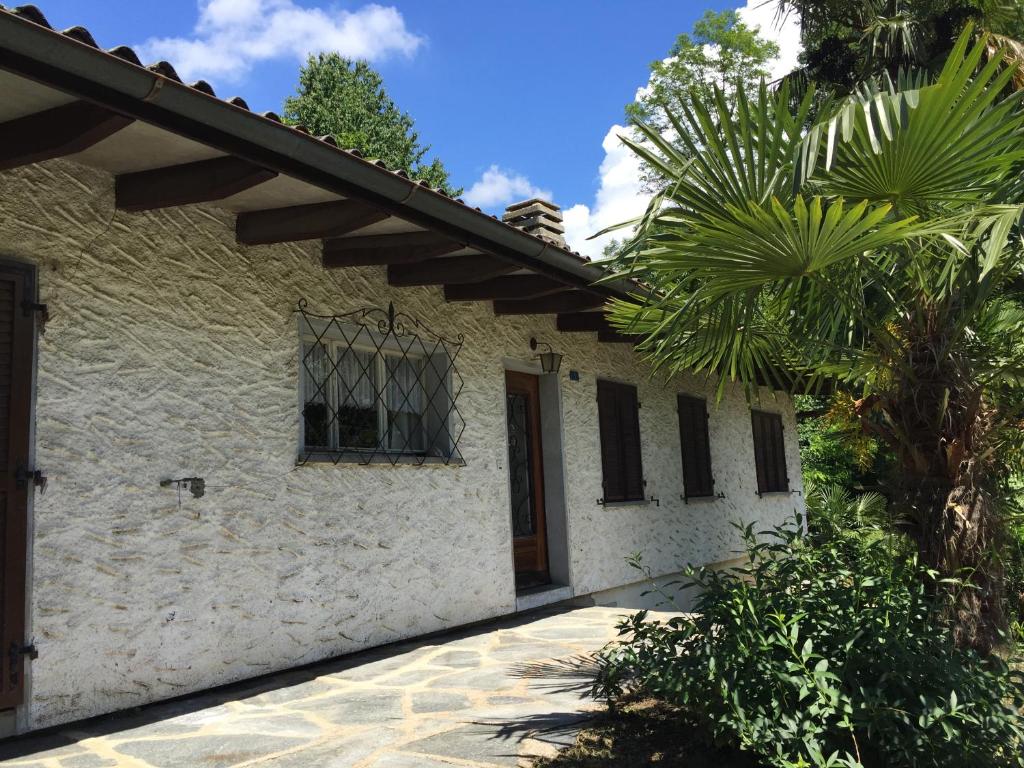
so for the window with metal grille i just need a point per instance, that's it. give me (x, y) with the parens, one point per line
(619, 419)
(698, 482)
(769, 452)
(376, 386)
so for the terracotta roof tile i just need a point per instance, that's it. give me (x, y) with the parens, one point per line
(82, 35)
(33, 14)
(126, 53)
(165, 69)
(205, 87)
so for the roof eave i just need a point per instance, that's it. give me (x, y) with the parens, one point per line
(61, 62)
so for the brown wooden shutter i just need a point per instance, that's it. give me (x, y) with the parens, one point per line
(757, 425)
(611, 446)
(769, 452)
(619, 421)
(632, 470)
(17, 339)
(695, 444)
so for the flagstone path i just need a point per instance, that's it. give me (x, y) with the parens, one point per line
(484, 697)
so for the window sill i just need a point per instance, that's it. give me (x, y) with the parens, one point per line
(626, 502)
(701, 499)
(379, 460)
(762, 494)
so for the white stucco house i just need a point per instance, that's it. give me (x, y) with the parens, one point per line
(266, 402)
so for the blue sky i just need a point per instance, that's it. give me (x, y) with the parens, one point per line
(516, 98)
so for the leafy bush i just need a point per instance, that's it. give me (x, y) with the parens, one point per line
(825, 650)
(833, 513)
(833, 447)
(1013, 562)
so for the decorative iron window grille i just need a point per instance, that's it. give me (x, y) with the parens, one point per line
(378, 386)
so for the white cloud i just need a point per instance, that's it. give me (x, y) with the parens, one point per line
(232, 35)
(785, 32)
(619, 197)
(499, 187)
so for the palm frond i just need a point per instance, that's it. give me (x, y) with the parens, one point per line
(924, 146)
(783, 256)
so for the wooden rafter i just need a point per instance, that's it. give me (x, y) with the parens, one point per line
(454, 269)
(508, 287)
(372, 250)
(582, 322)
(199, 182)
(570, 301)
(56, 132)
(305, 222)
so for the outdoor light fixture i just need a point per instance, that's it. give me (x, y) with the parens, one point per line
(550, 361)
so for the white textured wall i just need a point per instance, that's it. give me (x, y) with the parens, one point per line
(172, 351)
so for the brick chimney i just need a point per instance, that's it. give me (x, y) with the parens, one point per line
(538, 217)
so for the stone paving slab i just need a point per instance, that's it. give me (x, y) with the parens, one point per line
(481, 698)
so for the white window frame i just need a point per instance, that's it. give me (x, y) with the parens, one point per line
(335, 345)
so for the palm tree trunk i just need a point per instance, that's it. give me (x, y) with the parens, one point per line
(938, 424)
(954, 525)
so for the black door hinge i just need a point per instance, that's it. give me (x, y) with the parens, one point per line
(16, 652)
(23, 475)
(42, 310)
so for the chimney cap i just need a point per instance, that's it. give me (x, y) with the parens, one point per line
(533, 200)
(538, 217)
(532, 209)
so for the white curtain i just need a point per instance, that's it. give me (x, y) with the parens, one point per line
(405, 402)
(315, 367)
(357, 376)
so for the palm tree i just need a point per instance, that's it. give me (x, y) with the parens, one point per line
(848, 41)
(877, 252)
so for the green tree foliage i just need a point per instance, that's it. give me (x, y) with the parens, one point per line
(826, 650)
(346, 99)
(611, 249)
(846, 42)
(878, 249)
(833, 447)
(721, 51)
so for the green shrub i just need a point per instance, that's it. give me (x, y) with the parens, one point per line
(1013, 563)
(826, 650)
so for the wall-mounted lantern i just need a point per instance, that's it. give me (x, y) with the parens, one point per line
(550, 361)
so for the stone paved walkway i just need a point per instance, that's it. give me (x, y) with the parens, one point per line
(492, 696)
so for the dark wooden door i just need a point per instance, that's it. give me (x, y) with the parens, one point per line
(17, 334)
(526, 479)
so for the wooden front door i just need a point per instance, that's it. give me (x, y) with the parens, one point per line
(526, 479)
(17, 337)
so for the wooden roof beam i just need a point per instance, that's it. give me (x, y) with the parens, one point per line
(570, 301)
(454, 269)
(199, 182)
(375, 250)
(305, 222)
(56, 132)
(582, 322)
(507, 287)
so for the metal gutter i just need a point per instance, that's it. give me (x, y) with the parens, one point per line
(58, 61)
